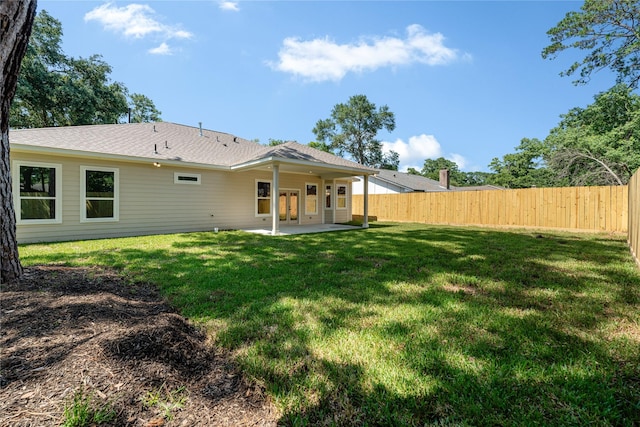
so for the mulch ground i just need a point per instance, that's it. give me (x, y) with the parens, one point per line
(66, 331)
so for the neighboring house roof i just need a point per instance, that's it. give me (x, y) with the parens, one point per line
(477, 188)
(419, 183)
(409, 181)
(172, 143)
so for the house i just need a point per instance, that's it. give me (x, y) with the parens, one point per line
(98, 181)
(394, 182)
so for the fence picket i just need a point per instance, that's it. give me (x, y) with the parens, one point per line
(579, 208)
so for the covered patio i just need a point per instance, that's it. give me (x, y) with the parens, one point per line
(294, 158)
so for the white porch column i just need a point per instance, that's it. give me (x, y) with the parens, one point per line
(365, 221)
(275, 201)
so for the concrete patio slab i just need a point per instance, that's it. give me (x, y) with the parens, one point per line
(287, 230)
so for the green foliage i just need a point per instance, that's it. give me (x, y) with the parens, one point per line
(57, 90)
(320, 146)
(406, 324)
(598, 145)
(274, 142)
(143, 110)
(432, 167)
(609, 30)
(523, 169)
(166, 401)
(82, 411)
(352, 129)
(390, 161)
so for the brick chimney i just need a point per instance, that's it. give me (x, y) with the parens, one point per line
(444, 178)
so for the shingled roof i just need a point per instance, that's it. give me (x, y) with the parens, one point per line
(167, 142)
(421, 183)
(410, 181)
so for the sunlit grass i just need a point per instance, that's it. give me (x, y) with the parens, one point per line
(407, 324)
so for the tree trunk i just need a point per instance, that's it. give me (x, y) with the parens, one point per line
(16, 20)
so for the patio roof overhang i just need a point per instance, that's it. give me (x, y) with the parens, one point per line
(323, 170)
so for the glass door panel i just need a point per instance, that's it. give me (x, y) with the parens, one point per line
(282, 206)
(288, 206)
(293, 206)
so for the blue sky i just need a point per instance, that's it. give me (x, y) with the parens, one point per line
(465, 80)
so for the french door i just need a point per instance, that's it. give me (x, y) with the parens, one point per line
(288, 206)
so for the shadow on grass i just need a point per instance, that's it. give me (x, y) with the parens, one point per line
(410, 325)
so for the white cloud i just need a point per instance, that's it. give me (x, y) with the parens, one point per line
(458, 159)
(163, 49)
(323, 59)
(230, 5)
(134, 20)
(414, 152)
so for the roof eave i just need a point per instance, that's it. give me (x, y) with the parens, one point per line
(395, 183)
(22, 148)
(270, 161)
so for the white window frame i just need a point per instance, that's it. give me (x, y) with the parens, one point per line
(338, 197)
(83, 194)
(270, 198)
(314, 212)
(17, 198)
(177, 175)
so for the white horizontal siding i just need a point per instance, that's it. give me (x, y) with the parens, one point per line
(376, 186)
(151, 203)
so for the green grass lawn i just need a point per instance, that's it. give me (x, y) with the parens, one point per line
(407, 324)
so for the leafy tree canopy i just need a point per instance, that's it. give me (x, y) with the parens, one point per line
(320, 146)
(431, 169)
(143, 110)
(609, 30)
(523, 169)
(598, 145)
(352, 129)
(57, 90)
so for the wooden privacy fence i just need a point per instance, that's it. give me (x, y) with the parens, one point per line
(571, 208)
(634, 216)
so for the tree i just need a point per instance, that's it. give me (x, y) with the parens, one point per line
(600, 144)
(353, 128)
(390, 161)
(610, 30)
(523, 169)
(16, 21)
(143, 110)
(320, 146)
(432, 167)
(57, 90)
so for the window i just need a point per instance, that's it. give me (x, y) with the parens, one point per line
(263, 198)
(186, 178)
(327, 197)
(37, 192)
(311, 200)
(99, 194)
(341, 198)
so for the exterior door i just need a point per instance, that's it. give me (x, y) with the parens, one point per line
(288, 206)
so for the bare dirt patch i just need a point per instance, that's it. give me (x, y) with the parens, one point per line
(65, 330)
